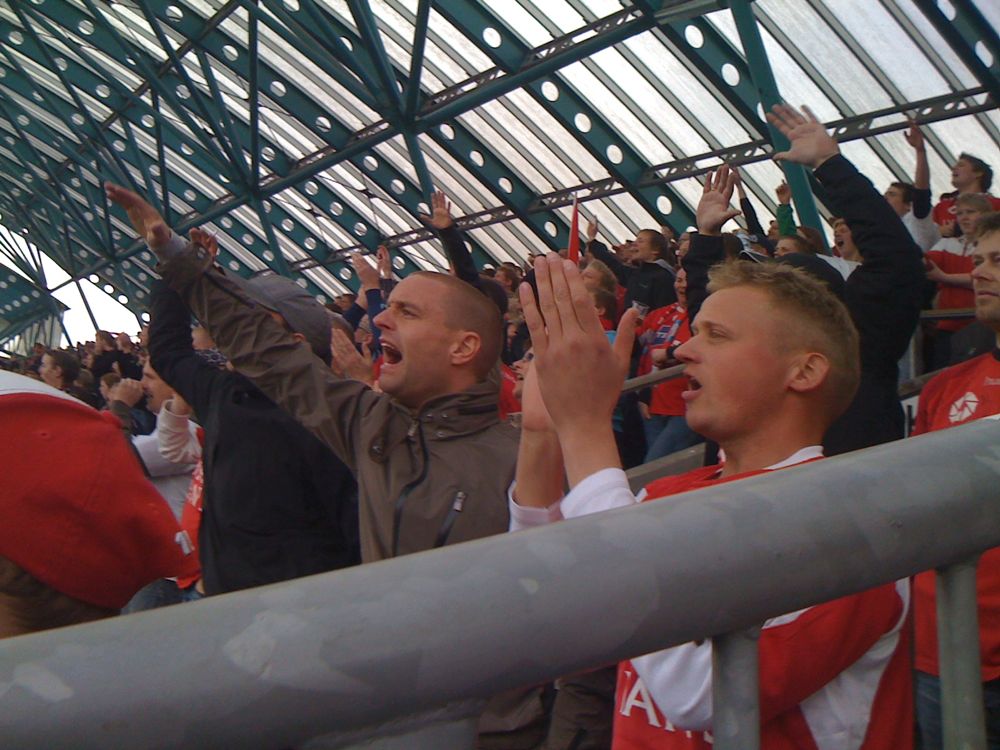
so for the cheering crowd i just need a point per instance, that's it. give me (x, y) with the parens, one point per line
(281, 438)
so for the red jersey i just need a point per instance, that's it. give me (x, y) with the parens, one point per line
(828, 672)
(952, 255)
(191, 516)
(944, 211)
(509, 403)
(961, 393)
(664, 328)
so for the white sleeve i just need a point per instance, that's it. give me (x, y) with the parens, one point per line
(603, 490)
(679, 680)
(149, 448)
(524, 517)
(178, 440)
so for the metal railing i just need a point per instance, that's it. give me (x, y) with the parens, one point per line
(408, 650)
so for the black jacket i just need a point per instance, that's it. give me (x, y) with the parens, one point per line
(649, 284)
(278, 504)
(883, 295)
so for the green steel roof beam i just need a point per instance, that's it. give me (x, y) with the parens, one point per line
(601, 137)
(211, 114)
(521, 197)
(419, 164)
(763, 78)
(236, 148)
(943, 68)
(662, 87)
(384, 75)
(150, 118)
(411, 98)
(50, 63)
(276, 261)
(105, 34)
(963, 32)
(328, 54)
(253, 80)
(56, 192)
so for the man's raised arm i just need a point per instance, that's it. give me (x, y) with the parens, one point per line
(257, 345)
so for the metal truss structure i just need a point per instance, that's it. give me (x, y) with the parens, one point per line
(302, 131)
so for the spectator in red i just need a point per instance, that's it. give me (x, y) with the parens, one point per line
(773, 361)
(660, 333)
(949, 265)
(83, 533)
(961, 393)
(969, 174)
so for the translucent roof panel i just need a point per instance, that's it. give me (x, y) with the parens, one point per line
(301, 133)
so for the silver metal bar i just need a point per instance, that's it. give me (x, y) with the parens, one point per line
(736, 691)
(455, 735)
(963, 719)
(350, 651)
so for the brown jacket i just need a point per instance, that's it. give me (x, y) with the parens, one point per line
(425, 479)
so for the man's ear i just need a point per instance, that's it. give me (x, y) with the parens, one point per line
(298, 337)
(808, 372)
(465, 347)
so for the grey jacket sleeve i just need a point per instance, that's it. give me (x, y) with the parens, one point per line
(285, 370)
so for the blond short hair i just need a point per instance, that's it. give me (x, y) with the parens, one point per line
(817, 320)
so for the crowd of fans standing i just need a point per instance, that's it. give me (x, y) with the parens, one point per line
(291, 438)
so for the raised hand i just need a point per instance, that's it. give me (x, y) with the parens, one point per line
(367, 274)
(714, 208)
(738, 181)
(592, 229)
(915, 136)
(384, 262)
(128, 391)
(346, 361)
(206, 239)
(784, 193)
(811, 145)
(440, 217)
(145, 219)
(580, 374)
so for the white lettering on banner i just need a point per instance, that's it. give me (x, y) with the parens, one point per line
(963, 408)
(991, 381)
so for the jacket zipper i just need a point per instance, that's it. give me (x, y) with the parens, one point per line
(449, 520)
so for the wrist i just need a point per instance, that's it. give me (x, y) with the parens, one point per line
(586, 453)
(823, 158)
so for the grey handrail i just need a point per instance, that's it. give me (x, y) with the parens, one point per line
(425, 638)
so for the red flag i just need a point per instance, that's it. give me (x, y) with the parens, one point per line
(574, 234)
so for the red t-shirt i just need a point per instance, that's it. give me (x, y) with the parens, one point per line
(851, 654)
(969, 390)
(509, 403)
(952, 297)
(663, 328)
(191, 515)
(945, 209)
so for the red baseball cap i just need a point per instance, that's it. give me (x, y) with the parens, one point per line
(77, 512)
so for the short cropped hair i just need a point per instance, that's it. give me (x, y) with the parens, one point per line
(67, 363)
(984, 169)
(976, 201)
(987, 225)
(658, 241)
(817, 320)
(469, 309)
(110, 379)
(106, 337)
(802, 245)
(606, 301)
(34, 606)
(905, 188)
(608, 279)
